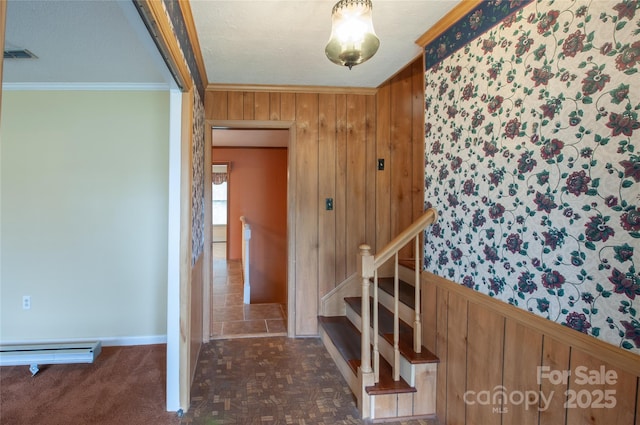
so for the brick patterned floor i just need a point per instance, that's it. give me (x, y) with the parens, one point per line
(271, 380)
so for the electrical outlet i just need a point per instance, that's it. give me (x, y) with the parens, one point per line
(26, 302)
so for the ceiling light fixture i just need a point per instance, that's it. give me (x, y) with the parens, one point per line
(353, 39)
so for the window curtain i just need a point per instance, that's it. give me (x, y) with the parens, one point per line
(219, 178)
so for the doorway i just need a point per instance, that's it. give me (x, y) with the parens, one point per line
(257, 190)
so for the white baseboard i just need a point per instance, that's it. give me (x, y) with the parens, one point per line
(106, 341)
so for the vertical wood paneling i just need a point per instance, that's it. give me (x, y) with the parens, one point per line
(306, 214)
(417, 143)
(442, 326)
(326, 189)
(511, 356)
(638, 403)
(522, 356)
(215, 105)
(288, 106)
(555, 356)
(356, 155)
(370, 170)
(235, 106)
(261, 109)
(588, 407)
(274, 106)
(429, 318)
(383, 177)
(248, 107)
(401, 151)
(362, 195)
(341, 188)
(196, 314)
(484, 361)
(457, 360)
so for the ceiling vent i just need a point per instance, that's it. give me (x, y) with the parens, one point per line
(19, 54)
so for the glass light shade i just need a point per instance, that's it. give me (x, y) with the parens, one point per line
(353, 39)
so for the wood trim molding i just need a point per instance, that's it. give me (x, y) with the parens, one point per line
(251, 124)
(457, 13)
(186, 164)
(164, 32)
(291, 89)
(185, 7)
(618, 357)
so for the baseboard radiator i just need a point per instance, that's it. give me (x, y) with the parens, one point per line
(58, 353)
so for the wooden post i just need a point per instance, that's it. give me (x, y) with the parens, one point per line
(246, 237)
(366, 261)
(365, 374)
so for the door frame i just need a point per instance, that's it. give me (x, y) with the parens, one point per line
(291, 216)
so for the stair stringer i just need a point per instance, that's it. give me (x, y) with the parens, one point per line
(357, 382)
(343, 367)
(332, 304)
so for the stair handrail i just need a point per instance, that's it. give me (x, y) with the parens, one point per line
(369, 265)
(246, 237)
(427, 218)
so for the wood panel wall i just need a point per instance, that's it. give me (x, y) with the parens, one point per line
(400, 141)
(339, 137)
(487, 345)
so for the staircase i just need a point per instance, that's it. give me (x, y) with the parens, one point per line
(376, 341)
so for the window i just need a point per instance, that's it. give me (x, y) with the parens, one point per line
(219, 201)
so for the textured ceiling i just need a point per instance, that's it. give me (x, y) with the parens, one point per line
(268, 42)
(281, 42)
(81, 42)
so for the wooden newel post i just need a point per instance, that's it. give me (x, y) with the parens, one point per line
(366, 272)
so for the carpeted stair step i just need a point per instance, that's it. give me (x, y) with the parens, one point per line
(385, 330)
(346, 338)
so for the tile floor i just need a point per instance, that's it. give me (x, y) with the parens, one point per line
(230, 318)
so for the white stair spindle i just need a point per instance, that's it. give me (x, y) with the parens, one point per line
(417, 325)
(396, 322)
(376, 352)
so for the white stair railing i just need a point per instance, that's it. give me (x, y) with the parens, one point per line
(246, 237)
(369, 265)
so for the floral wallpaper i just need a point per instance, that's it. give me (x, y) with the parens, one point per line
(533, 163)
(197, 185)
(176, 18)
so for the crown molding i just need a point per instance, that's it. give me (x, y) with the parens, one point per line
(85, 87)
(192, 33)
(291, 89)
(458, 12)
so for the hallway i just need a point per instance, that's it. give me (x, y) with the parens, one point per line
(230, 318)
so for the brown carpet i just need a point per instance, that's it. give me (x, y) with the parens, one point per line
(126, 385)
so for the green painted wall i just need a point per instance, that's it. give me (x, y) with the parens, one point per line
(84, 192)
